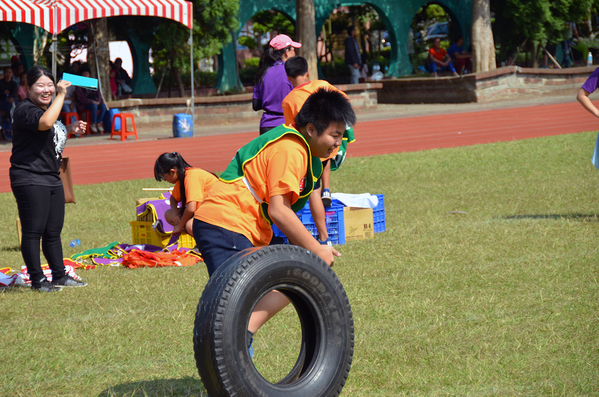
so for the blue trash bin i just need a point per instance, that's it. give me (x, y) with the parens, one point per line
(182, 125)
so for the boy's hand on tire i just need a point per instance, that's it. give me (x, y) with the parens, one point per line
(328, 254)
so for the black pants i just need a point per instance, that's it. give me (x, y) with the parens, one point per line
(265, 129)
(41, 210)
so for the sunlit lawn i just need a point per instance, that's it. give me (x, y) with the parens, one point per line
(499, 301)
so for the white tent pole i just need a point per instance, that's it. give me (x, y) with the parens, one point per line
(54, 48)
(191, 64)
(54, 41)
(96, 58)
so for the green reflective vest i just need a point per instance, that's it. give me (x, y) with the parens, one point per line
(236, 169)
(348, 137)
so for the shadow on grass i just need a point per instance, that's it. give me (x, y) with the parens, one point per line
(15, 289)
(576, 217)
(11, 249)
(187, 386)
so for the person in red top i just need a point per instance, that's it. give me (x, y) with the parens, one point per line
(191, 187)
(439, 59)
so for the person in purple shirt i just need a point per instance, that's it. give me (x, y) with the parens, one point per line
(271, 85)
(589, 87)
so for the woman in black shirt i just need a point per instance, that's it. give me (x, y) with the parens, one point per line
(38, 141)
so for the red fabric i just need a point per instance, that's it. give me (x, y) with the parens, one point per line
(440, 54)
(57, 15)
(139, 258)
(78, 265)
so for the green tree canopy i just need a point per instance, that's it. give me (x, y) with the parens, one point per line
(536, 20)
(264, 22)
(214, 21)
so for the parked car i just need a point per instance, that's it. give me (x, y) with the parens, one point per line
(436, 30)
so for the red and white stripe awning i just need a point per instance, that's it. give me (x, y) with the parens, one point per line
(57, 15)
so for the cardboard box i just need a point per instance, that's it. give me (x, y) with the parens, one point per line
(358, 223)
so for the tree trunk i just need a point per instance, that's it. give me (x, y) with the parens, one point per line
(102, 50)
(39, 44)
(483, 46)
(179, 82)
(306, 34)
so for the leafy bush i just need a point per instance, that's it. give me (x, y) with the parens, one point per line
(246, 75)
(334, 70)
(251, 62)
(248, 42)
(205, 78)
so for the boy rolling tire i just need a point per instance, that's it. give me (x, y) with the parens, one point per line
(322, 306)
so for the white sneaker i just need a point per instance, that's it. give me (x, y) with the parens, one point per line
(94, 128)
(100, 127)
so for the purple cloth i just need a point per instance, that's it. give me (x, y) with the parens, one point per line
(591, 84)
(273, 88)
(106, 261)
(161, 206)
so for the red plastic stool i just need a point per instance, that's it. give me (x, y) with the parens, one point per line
(66, 116)
(124, 132)
(88, 117)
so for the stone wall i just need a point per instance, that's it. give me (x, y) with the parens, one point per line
(226, 108)
(499, 84)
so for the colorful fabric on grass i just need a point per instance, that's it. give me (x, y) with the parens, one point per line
(26, 280)
(107, 261)
(6, 280)
(137, 258)
(102, 252)
(78, 265)
(120, 251)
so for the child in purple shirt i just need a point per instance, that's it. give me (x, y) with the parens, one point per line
(271, 85)
(587, 88)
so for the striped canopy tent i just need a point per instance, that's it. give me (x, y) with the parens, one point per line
(57, 15)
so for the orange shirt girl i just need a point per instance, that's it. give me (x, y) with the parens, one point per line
(191, 186)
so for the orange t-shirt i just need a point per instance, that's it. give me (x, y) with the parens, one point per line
(197, 183)
(294, 101)
(440, 54)
(280, 168)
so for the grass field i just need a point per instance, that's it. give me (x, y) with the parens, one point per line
(499, 301)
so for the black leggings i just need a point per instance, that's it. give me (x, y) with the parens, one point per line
(41, 211)
(264, 130)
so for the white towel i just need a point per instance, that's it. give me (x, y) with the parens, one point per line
(364, 200)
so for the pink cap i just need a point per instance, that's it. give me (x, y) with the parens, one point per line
(281, 41)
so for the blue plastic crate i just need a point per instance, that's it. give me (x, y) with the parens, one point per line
(378, 215)
(334, 219)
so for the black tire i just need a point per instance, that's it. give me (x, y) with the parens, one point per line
(220, 336)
